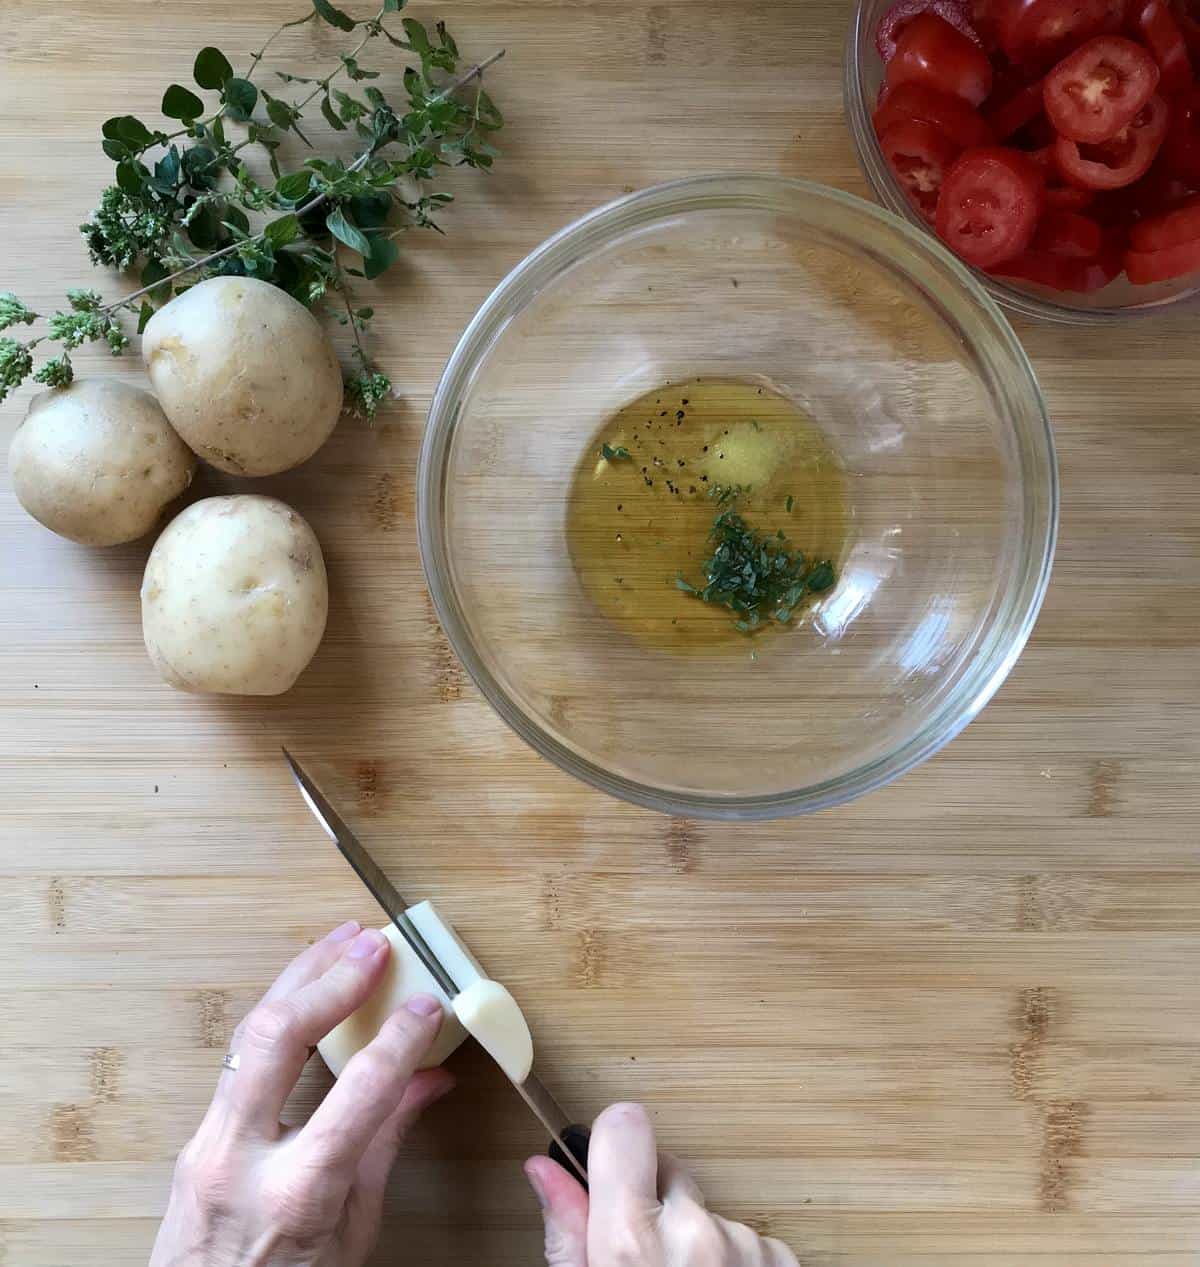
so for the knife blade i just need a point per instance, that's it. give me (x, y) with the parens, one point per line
(569, 1146)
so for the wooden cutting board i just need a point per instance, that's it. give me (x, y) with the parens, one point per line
(955, 1023)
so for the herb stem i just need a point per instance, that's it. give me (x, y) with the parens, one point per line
(323, 84)
(255, 58)
(312, 204)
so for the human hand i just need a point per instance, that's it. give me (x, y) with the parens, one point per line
(251, 1192)
(643, 1210)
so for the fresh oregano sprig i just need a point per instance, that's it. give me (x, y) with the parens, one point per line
(187, 205)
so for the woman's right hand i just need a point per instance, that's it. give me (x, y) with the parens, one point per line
(643, 1210)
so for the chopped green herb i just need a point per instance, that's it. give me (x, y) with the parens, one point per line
(789, 503)
(751, 575)
(618, 453)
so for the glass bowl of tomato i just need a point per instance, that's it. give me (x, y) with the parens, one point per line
(1052, 145)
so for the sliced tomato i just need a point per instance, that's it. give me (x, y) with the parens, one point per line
(1121, 159)
(1060, 196)
(1068, 198)
(1069, 234)
(1170, 229)
(932, 52)
(1042, 31)
(989, 206)
(1157, 29)
(1093, 93)
(894, 21)
(985, 18)
(963, 124)
(920, 156)
(1147, 267)
(1181, 151)
(1017, 112)
(1187, 15)
(1062, 273)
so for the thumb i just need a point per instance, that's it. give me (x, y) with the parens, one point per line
(564, 1210)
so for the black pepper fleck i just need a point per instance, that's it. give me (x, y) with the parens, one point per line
(691, 488)
(620, 506)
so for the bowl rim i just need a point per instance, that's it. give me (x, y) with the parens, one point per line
(560, 251)
(1026, 303)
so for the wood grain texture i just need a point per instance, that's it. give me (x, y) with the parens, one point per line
(952, 1025)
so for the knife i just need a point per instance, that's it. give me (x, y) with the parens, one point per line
(569, 1141)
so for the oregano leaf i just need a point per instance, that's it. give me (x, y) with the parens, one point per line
(240, 96)
(212, 68)
(181, 103)
(284, 230)
(335, 17)
(350, 234)
(331, 116)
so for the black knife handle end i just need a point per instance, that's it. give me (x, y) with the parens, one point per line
(577, 1138)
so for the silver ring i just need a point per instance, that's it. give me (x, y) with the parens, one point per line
(231, 1061)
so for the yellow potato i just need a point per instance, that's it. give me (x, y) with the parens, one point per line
(234, 598)
(97, 462)
(245, 374)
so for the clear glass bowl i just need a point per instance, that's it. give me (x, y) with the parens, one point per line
(863, 74)
(925, 394)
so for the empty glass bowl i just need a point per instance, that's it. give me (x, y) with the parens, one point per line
(1117, 302)
(922, 390)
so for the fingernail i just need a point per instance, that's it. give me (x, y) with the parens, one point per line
(367, 943)
(536, 1184)
(343, 932)
(423, 1005)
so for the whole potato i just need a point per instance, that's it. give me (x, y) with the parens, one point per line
(245, 375)
(234, 598)
(97, 462)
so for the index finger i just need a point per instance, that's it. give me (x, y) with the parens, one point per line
(273, 1042)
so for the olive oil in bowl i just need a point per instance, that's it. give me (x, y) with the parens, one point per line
(665, 469)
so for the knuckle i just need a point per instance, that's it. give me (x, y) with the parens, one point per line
(270, 1024)
(404, 1032)
(209, 1173)
(293, 1205)
(698, 1239)
(627, 1243)
(373, 1076)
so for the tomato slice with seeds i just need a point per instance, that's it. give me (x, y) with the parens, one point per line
(1158, 30)
(1069, 234)
(932, 52)
(1042, 31)
(897, 18)
(1147, 267)
(963, 124)
(989, 206)
(1181, 151)
(1170, 229)
(1017, 112)
(920, 156)
(1092, 94)
(1121, 159)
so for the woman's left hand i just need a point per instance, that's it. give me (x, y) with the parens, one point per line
(251, 1192)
